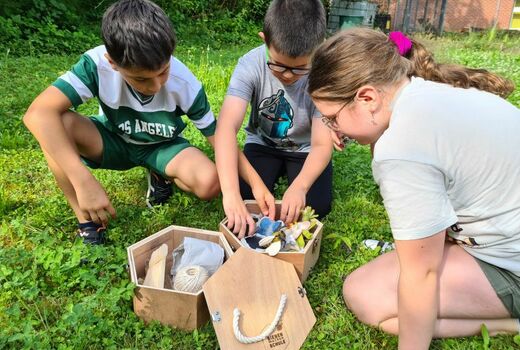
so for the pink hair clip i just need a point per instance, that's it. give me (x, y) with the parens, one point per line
(403, 43)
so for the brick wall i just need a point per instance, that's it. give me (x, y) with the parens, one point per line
(460, 14)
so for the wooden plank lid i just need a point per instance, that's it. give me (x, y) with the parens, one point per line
(255, 284)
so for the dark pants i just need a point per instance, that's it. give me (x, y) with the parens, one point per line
(271, 164)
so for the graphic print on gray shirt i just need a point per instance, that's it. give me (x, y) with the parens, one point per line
(281, 115)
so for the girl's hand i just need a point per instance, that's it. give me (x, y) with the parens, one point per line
(338, 143)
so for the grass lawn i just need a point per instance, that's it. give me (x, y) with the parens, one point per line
(49, 300)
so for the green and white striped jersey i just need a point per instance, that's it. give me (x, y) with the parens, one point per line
(137, 120)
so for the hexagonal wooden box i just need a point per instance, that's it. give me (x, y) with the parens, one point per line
(302, 261)
(182, 310)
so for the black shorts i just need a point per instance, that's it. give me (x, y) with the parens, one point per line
(271, 164)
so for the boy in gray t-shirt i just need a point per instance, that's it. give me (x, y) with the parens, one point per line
(273, 78)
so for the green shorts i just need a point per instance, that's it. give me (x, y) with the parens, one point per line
(506, 284)
(121, 155)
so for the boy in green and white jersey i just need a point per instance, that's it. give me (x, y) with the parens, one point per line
(143, 91)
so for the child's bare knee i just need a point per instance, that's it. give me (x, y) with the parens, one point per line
(351, 290)
(208, 187)
(359, 299)
(210, 192)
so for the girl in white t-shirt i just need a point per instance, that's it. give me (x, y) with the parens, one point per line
(446, 158)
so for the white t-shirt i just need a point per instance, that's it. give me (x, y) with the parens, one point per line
(452, 155)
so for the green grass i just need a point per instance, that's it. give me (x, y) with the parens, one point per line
(49, 300)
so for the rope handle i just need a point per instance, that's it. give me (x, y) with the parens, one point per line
(249, 340)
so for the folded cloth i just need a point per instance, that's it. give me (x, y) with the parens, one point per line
(197, 252)
(266, 226)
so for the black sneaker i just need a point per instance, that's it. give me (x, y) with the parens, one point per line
(159, 189)
(94, 234)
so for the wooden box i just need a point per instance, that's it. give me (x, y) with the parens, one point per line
(302, 261)
(254, 296)
(183, 310)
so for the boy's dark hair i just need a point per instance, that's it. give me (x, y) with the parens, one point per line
(295, 27)
(138, 34)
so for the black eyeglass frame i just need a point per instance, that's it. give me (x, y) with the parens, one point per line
(280, 68)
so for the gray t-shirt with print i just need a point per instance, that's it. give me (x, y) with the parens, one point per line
(281, 115)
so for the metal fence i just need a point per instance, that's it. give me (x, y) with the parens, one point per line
(403, 15)
(418, 15)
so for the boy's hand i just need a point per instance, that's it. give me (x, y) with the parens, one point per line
(265, 200)
(239, 219)
(94, 202)
(338, 144)
(293, 202)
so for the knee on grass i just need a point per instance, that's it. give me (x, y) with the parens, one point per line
(207, 187)
(360, 298)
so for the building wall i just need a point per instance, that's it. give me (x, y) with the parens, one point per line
(460, 14)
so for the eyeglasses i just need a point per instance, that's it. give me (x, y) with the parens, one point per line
(332, 123)
(280, 68)
(331, 120)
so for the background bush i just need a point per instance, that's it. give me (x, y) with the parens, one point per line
(31, 27)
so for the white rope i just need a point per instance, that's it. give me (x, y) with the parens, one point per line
(249, 340)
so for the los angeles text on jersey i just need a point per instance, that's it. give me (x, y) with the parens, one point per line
(158, 129)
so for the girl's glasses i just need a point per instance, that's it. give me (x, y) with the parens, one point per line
(331, 120)
(332, 123)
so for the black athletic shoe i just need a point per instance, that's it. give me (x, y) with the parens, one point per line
(92, 234)
(159, 189)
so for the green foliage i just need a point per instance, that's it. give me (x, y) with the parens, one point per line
(32, 27)
(516, 339)
(217, 30)
(49, 299)
(485, 337)
(26, 36)
(487, 39)
(250, 10)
